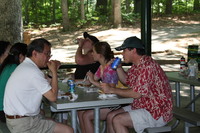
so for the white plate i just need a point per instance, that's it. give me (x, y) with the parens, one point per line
(62, 97)
(91, 89)
(79, 82)
(107, 96)
(61, 94)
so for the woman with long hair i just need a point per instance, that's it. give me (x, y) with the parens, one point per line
(4, 50)
(15, 56)
(103, 54)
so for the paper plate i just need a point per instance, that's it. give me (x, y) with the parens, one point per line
(107, 96)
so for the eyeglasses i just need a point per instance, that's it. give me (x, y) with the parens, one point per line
(48, 54)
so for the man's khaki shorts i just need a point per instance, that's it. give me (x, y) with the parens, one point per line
(33, 124)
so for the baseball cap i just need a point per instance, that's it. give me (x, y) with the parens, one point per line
(92, 38)
(131, 42)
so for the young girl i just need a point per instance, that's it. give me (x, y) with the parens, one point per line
(103, 54)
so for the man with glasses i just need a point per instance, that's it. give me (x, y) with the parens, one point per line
(25, 89)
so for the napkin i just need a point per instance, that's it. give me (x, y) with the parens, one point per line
(91, 89)
(74, 97)
(66, 79)
(61, 94)
(107, 96)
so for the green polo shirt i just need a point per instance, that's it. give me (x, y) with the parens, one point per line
(4, 76)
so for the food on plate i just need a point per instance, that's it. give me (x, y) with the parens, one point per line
(100, 91)
(80, 85)
(84, 85)
(67, 94)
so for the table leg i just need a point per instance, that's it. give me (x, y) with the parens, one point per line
(74, 120)
(96, 120)
(177, 88)
(192, 96)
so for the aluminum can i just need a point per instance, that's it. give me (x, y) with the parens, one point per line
(70, 81)
(72, 88)
(71, 85)
(115, 63)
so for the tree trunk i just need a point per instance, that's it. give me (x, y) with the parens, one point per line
(26, 12)
(112, 11)
(11, 21)
(46, 12)
(35, 12)
(117, 13)
(101, 7)
(137, 6)
(128, 9)
(54, 11)
(168, 8)
(82, 10)
(65, 17)
(196, 5)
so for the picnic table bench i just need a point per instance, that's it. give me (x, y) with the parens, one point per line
(190, 118)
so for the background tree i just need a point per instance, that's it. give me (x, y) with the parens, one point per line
(53, 11)
(26, 11)
(10, 21)
(44, 13)
(101, 7)
(65, 17)
(82, 10)
(196, 5)
(128, 7)
(137, 6)
(117, 13)
(168, 9)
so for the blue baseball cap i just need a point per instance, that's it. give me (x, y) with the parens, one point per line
(131, 42)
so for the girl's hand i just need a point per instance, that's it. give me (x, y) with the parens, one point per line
(90, 76)
(106, 88)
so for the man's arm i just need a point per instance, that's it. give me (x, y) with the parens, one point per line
(121, 92)
(122, 75)
(80, 58)
(51, 95)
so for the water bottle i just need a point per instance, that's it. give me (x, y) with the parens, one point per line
(115, 63)
(182, 65)
(193, 69)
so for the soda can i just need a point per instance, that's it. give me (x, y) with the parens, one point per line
(70, 82)
(115, 63)
(71, 88)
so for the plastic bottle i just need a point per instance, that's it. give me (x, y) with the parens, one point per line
(182, 65)
(193, 69)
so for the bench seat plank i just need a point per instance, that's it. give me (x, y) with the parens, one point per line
(187, 116)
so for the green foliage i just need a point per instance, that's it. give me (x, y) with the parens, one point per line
(130, 18)
(180, 6)
(39, 13)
